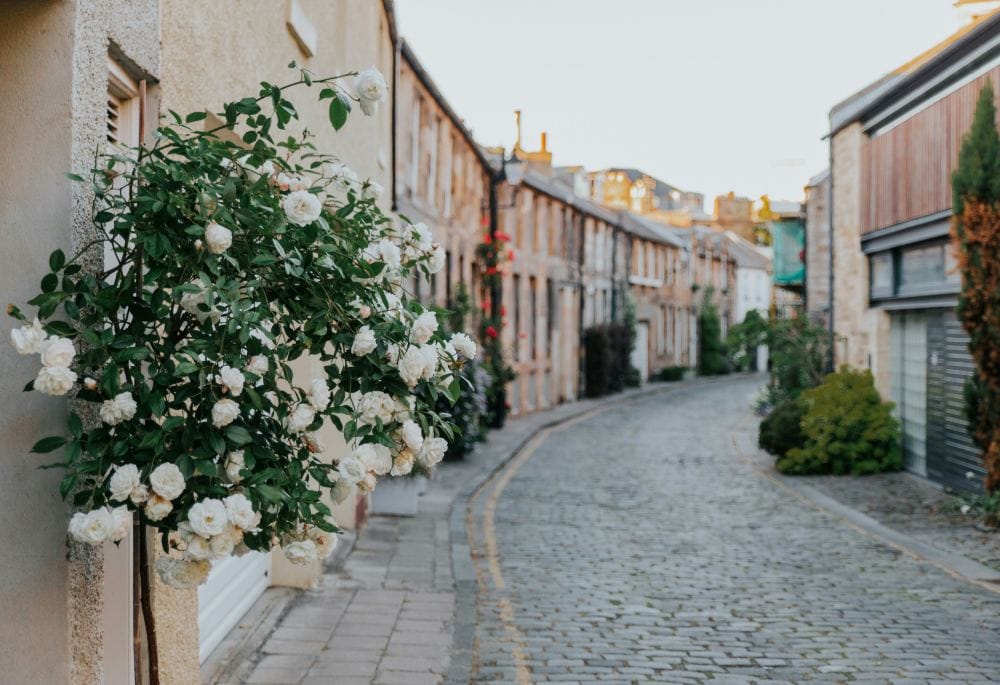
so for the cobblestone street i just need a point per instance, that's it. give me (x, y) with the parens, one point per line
(638, 544)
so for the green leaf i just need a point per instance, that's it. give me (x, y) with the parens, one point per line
(338, 113)
(57, 260)
(272, 494)
(195, 116)
(60, 328)
(75, 425)
(239, 435)
(48, 444)
(49, 283)
(217, 442)
(67, 484)
(75, 177)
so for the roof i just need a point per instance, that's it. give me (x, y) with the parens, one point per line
(648, 229)
(559, 190)
(661, 189)
(876, 95)
(746, 254)
(819, 178)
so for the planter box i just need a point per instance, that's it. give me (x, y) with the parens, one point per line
(397, 496)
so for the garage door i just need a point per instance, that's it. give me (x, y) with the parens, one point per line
(231, 589)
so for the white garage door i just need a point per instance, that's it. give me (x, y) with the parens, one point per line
(231, 589)
(640, 353)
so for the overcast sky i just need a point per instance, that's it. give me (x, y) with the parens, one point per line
(708, 95)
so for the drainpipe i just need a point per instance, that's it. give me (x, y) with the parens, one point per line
(581, 375)
(395, 122)
(830, 277)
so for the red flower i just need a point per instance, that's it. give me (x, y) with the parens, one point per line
(491, 271)
(487, 239)
(503, 310)
(486, 307)
(492, 332)
(484, 222)
(503, 235)
(510, 255)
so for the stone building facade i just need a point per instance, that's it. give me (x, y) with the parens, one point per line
(817, 289)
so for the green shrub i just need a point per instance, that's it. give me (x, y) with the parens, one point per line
(744, 339)
(848, 429)
(712, 359)
(597, 361)
(633, 378)
(781, 430)
(798, 351)
(670, 373)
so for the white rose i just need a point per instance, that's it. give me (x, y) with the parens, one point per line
(28, 339)
(411, 366)
(423, 237)
(370, 89)
(234, 464)
(258, 364)
(223, 544)
(432, 451)
(392, 353)
(313, 443)
(965, 508)
(319, 394)
(302, 207)
(219, 238)
(301, 418)
(54, 380)
(139, 495)
(157, 508)
(390, 254)
(241, 512)
(224, 412)
(413, 437)
(121, 522)
(403, 410)
(375, 458)
(423, 328)
(167, 481)
(367, 484)
(342, 175)
(463, 345)
(191, 301)
(197, 548)
(325, 542)
(374, 405)
(341, 491)
(301, 552)
(181, 574)
(351, 470)
(430, 355)
(123, 481)
(57, 352)
(294, 184)
(92, 527)
(437, 260)
(121, 408)
(371, 191)
(364, 342)
(208, 517)
(231, 379)
(403, 463)
(89, 383)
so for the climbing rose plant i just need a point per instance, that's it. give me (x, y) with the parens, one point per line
(224, 264)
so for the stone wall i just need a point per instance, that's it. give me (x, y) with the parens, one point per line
(818, 250)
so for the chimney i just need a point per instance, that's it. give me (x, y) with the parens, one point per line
(545, 140)
(517, 125)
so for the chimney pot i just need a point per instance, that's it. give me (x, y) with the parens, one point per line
(545, 138)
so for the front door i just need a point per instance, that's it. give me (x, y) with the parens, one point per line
(909, 385)
(640, 353)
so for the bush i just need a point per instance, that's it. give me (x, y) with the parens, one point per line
(633, 379)
(847, 427)
(798, 350)
(469, 412)
(781, 430)
(597, 361)
(670, 373)
(712, 358)
(744, 339)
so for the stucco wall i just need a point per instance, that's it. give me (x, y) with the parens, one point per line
(863, 333)
(54, 57)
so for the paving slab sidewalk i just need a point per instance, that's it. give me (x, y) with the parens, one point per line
(386, 612)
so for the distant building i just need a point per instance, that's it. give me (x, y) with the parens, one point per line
(638, 192)
(817, 289)
(733, 213)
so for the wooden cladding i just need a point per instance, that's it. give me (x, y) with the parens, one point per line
(906, 170)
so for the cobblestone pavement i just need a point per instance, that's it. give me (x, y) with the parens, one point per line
(637, 546)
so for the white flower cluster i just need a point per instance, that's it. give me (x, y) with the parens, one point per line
(55, 377)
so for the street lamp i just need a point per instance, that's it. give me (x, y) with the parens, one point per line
(513, 171)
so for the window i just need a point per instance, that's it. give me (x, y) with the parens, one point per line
(880, 275)
(516, 295)
(432, 172)
(415, 145)
(533, 309)
(447, 278)
(550, 314)
(122, 115)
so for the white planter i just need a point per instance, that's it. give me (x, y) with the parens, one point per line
(397, 496)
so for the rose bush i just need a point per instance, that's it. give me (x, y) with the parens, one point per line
(229, 263)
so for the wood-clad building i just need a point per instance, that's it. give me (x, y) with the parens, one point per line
(894, 147)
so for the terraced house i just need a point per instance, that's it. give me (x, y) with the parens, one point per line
(894, 146)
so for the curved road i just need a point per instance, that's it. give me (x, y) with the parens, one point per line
(635, 546)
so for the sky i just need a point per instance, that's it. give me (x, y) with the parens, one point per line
(708, 95)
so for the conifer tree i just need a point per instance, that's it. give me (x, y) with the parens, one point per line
(976, 231)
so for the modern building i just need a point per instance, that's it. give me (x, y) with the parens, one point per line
(893, 149)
